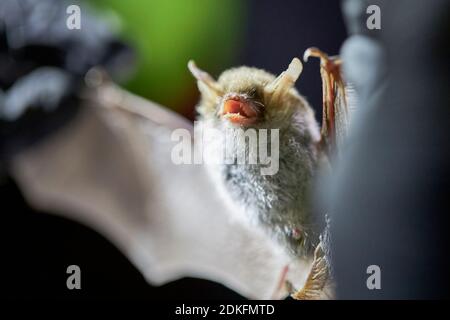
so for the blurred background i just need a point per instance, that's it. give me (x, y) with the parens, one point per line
(218, 35)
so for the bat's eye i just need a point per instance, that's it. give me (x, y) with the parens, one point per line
(241, 111)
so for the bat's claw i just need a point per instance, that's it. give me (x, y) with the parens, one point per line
(314, 52)
(318, 278)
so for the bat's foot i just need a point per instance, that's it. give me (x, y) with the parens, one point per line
(317, 279)
(334, 96)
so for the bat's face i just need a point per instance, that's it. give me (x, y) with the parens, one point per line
(249, 97)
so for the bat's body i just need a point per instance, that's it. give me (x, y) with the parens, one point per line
(279, 202)
(250, 98)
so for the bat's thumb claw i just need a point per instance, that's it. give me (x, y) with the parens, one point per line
(314, 52)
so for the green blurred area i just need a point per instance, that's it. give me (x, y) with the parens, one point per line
(167, 33)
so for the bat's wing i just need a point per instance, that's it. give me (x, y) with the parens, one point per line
(111, 169)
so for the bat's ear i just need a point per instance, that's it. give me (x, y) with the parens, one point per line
(284, 81)
(206, 84)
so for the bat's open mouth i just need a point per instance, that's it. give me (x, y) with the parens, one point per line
(241, 111)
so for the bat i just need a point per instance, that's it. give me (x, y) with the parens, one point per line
(111, 169)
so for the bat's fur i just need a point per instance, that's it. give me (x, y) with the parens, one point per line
(279, 203)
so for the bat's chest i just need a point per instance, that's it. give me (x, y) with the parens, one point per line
(278, 202)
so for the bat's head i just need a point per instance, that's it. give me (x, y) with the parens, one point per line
(249, 97)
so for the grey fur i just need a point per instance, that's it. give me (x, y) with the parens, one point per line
(278, 203)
